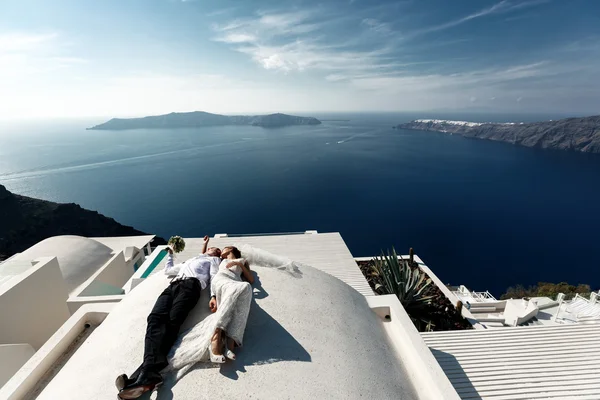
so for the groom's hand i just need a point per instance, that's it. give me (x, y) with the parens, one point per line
(212, 304)
(206, 239)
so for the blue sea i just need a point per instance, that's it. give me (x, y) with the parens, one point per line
(484, 214)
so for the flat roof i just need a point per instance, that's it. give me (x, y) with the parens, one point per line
(533, 362)
(324, 251)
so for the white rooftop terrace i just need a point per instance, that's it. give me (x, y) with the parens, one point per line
(320, 335)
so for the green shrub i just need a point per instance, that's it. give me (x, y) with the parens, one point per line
(546, 289)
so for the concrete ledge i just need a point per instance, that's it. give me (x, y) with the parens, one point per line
(429, 380)
(74, 303)
(28, 376)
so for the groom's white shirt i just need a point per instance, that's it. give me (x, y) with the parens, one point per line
(202, 267)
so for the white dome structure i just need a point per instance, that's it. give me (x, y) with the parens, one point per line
(308, 337)
(78, 257)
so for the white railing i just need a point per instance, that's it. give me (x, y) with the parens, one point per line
(580, 308)
(465, 295)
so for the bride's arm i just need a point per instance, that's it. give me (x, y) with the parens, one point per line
(245, 269)
(247, 273)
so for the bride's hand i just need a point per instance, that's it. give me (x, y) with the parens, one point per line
(212, 304)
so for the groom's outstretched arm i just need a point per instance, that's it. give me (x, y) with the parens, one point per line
(205, 244)
(170, 267)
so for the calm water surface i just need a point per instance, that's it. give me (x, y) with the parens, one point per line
(484, 214)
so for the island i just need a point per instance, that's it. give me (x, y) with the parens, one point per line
(200, 118)
(27, 221)
(574, 134)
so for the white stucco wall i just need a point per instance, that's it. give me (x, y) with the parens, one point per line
(34, 371)
(12, 357)
(115, 272)
(518, 311)
(425, 373)
(105, 286)
(34, 306)
(108, 280)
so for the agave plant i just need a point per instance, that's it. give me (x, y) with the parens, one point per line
(410, 284)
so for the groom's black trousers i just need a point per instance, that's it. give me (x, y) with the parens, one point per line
(169, 312)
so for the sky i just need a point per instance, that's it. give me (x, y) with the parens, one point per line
(80, 58)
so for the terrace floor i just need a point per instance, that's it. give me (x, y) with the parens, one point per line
(308, 335)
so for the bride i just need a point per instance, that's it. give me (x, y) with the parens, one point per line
(230, 303)
(230, 299)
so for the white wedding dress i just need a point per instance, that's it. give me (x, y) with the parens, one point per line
(234, 298)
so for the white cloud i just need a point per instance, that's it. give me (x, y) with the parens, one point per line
(295, 41)
(377, 26)
(236, 38)
(274, 61)
(278, 43)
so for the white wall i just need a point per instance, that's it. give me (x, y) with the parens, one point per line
(519, 311)
(12, 358)
(35, 305)
(108, 280)
(46, 358)
(105, 286)
(428, 378)
(115, 272)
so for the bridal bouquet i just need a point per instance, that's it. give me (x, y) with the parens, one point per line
(176, 243)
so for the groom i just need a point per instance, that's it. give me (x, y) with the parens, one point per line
(167, 316)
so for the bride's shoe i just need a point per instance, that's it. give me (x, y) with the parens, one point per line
(228, 353)
(217, 359)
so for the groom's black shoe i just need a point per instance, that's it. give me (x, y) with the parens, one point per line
(122, 381)
(147, 381)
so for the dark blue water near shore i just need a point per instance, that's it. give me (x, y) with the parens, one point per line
(484, 214)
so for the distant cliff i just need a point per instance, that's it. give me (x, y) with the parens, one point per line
(577, 134)
(201, 118)
(24, 221)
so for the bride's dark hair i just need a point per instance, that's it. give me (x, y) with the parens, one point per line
(235, 251)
